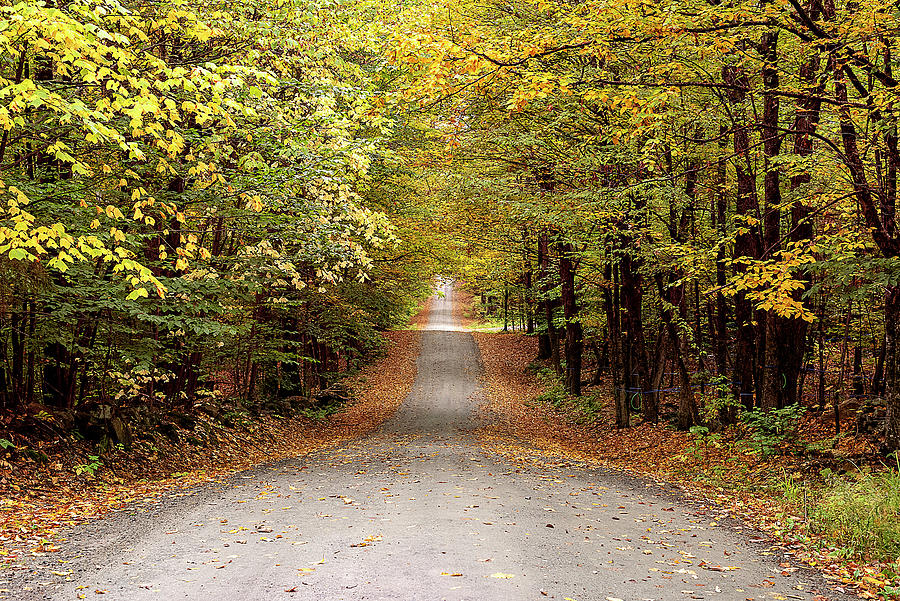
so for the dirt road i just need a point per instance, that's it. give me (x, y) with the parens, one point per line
(417, 511)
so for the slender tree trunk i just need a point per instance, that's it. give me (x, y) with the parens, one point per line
(544, 346)
(617, 356)
(891, 375)
(820, 392)
(841, 387)
(719, 212)
(687, 405)
(506, 308)
(878, 376)
(747, 245)
(770, 372)
(601, 354)
(858, 388)
(553, 332)
(806, 120)
(632, 300)
(574, 334)
(528, 294)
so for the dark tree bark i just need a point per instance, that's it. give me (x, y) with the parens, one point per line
(891, 375)
(611, 300)
(881, 224)
(574, 332)
(806, 121)
(544, 346)
(637, 374)
(527, 277)
(772, 336)
(553, 333)
(719, 222)
(747, 245)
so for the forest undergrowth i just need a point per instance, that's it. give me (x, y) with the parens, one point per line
(825, 501)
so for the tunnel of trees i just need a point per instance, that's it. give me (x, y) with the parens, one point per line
(692, 203)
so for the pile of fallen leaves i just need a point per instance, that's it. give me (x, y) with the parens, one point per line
(514, 416)
(40, 498)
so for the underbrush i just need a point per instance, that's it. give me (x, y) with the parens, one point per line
(584, 409)
(860, 513)
(320, 412)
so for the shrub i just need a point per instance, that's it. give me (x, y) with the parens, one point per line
(774, 431)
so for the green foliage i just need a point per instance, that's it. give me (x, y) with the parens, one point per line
(90, 468)
(211, 211)
(697, 454)
(320, 412)
(858, 513)
(775, 431)
(585, 408)
(717, 400)
(554, 392)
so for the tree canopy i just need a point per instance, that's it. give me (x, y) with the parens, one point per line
(212, 200)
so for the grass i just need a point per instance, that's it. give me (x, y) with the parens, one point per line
(862, 514)
(859, 515)
(486, 323)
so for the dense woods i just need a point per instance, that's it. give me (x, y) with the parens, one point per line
(189, 209)
(689, 202)
(699, 197)
(211, 212)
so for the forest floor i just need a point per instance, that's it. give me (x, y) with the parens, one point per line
(50, 484)
(762, 492)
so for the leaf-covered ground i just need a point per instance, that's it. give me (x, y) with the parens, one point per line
(463, 311)
(40, 497)
(420, 319)
(660, 452)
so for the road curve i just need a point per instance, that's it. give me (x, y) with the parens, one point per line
(417, 511)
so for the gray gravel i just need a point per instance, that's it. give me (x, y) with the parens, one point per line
(420, 511)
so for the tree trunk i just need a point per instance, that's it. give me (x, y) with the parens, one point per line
(544, 346)
(806, 120)
(528, 294)
(617, 358)
(858, 388)
(747, 245)
(687, 405)
(719, 221)
(506, 308)
(770, 372)
(891, 372)
(553, 332)
(574, 334)
(632, 303)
